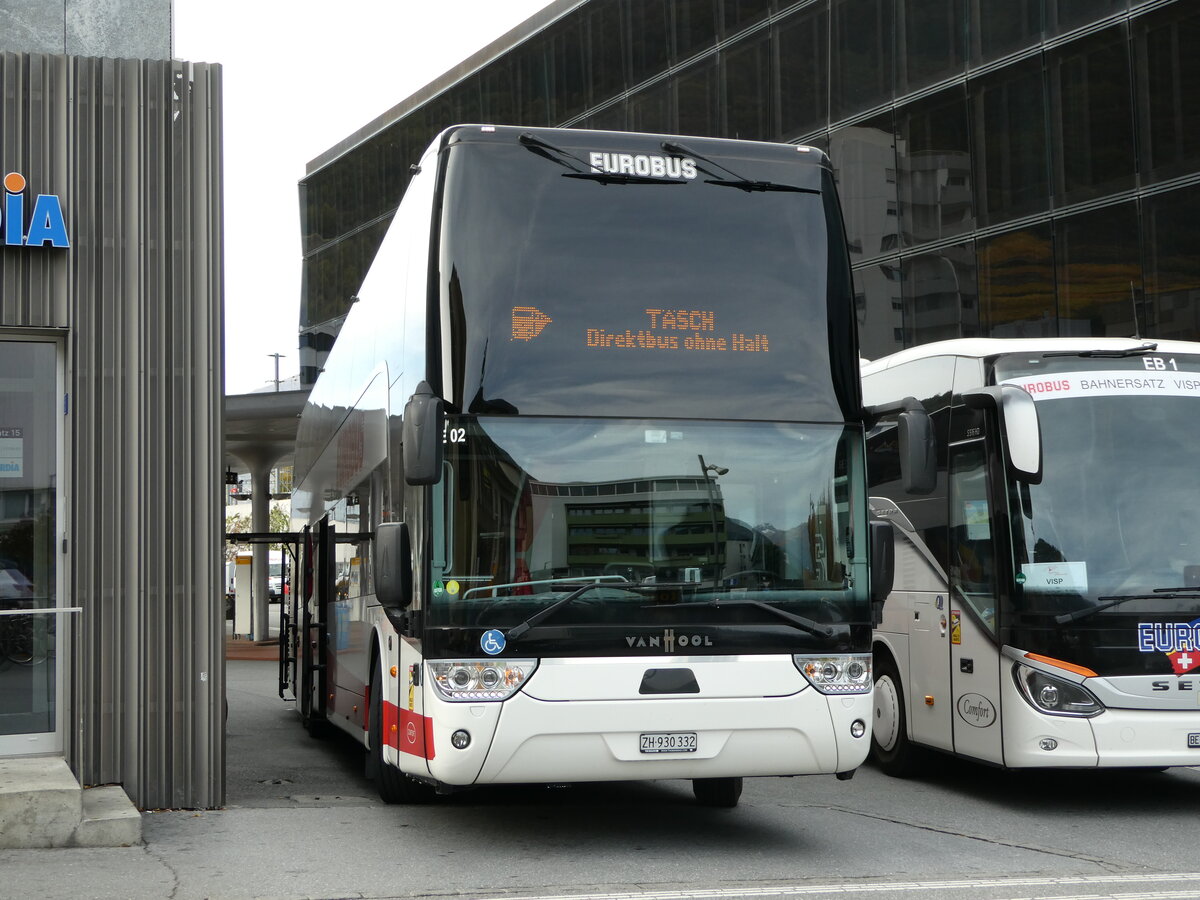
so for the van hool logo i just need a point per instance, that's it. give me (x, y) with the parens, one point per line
(45, 224)
(669, 641)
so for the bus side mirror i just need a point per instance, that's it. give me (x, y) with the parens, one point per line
(421, 432)
(393, 565)
(918, 452)
(883, 565)
(1019, 425)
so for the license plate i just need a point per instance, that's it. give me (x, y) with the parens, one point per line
(668, 742)
(1194, 740)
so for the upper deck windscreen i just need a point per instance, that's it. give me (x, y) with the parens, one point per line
(595, 273)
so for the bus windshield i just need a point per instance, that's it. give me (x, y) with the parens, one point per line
(1110, 531)
(657, 520)
(570, 291)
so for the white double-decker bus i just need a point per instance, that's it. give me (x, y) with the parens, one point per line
(1046, 604)
(583, 481)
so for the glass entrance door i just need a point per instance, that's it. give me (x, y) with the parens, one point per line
(31, 615)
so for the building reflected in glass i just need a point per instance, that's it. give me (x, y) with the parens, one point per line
(1007, 167)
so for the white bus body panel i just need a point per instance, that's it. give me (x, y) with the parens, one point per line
(1117, 737)
(539, 735)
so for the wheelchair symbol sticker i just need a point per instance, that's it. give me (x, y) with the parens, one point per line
(492, 642)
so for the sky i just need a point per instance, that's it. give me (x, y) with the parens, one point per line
(300, 76)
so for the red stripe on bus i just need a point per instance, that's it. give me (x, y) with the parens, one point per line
(412, 732)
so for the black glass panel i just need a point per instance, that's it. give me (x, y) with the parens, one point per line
(650, 109)
(748, 100)
(605, 55)
(695, 27)
(1008, 143)
(611, 118)
(696, 99)
(333, 275)
(533, 65)
(861, 66)
(803, 49)
(650, 38)
(934, 157)
(940, 296)
(1000, 27)
(570, 80)
(741, 14)
(1016, 284)
(1098, 272)
(499, 93)
(1168, 83)
(1172, 241)
(864, 158)
(879, 305)
(930, 41)
(1064, 15)
(1092, 122)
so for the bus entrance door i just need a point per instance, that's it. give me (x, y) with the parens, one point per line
(974, 660)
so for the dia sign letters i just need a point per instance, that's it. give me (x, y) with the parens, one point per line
(46, 223)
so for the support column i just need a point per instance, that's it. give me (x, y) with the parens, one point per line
(260, 521)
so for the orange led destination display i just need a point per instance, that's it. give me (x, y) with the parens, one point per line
(664, 329)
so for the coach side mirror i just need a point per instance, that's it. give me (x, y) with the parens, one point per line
(918, 452)
(1019, 426)
(393, 565)
(424, 421)
(883, 565)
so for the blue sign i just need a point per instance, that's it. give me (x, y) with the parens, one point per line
(492, 642)
(46, 222)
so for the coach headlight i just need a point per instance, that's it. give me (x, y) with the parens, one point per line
(836, 674)
(473, 680)
(1056, 696)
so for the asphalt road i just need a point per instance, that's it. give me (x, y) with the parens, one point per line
(302, 821)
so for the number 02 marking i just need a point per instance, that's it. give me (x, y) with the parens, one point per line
(454, 435)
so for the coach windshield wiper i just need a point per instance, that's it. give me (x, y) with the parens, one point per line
(518, 630)
(1119, 353)
(545, 149)
(1104, 603)
(736, 180)
(816, 629)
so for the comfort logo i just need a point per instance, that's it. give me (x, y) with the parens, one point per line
(45, 223)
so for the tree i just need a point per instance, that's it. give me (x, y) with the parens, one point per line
(239, 523)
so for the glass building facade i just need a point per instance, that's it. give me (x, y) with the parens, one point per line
(1007, 167)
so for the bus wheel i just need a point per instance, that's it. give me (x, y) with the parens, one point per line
(718, 792)
(890, 746)
(393, 785)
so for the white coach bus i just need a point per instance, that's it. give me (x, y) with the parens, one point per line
(583, 476)
(1046, 604)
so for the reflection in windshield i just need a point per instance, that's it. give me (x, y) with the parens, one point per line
(660, 512)
(1112, 514)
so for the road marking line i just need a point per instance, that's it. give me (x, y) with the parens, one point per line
(883, 887)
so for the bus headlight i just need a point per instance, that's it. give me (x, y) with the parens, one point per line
(836, 674)
(1053, 695)
(473, 680)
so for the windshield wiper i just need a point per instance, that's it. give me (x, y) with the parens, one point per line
(735, 180)
(1104, 603)
(841, 630)
(544, 149)
(518, 630)
(1118, 353)
(615, 178)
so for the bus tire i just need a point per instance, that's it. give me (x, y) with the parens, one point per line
(891, 749)
(722, 793)
(393, 785)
